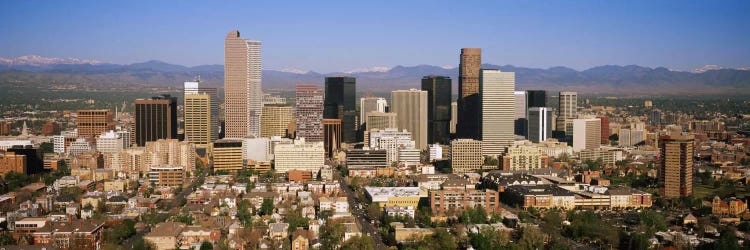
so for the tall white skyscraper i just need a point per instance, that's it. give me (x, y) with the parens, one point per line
(497, 110)
(243, 97)
(370, 104)
(540, 124)
(587, 134)
(411, 108)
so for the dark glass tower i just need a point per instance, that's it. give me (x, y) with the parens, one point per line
(536, 99)
(155, 119)
(339, 103)
(438, 108)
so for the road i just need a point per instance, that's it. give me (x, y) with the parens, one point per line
(359, 214)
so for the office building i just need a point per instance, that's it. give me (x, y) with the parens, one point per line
(567, 111)
(411, 107)
(192, 88)
(256, 149)
(520, 121)
(468, 93)
(309, 113)
(198, 122)
(50, 128)
(536, 98)
(370, 104)
(442, 201)
(167, 176)
(380, 120)
(155, 118)
(390, 139)
(540, 124)
(655, 118)
(524, 156)
(630, 137)
(454, 117)
(586, 134)
(276, 120)
(466, 155)
(394, 196)
(109, 142)
(340, 103)
(243, 95)
(332, 136)
(171, 152)
(676, 166)
(366, 157)
(12, 162)
(91, 123)
(34, 159)
(496, 102)
(227, 155)
(438, 108)
(605, 129)
(4, 128)
(300, 155)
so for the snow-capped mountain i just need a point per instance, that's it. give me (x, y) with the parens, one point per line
(35, 60)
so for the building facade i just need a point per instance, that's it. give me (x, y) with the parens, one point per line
(439, 94)
(340, 103)
(411, 107)
(496, 102)
(155, 118)
(466, 155)
(91, 123)
(276, 120)
(468, 93)
(309, 113)
(243, 94)
(675, 175)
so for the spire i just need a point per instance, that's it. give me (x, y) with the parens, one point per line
(25, 129)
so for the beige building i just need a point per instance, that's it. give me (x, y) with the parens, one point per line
(301, 155)
(198, 128)
(524, 157)
(11, 162)
(166, 175)
(676, 166)
(411, 108)
(587, 134)
(165, 235)
(171, 152)
(497, 103)
(242, 86)
(468, 93)
(567, 111)
(466, 155)
(227, 155)
(381, 120)
(276, 120)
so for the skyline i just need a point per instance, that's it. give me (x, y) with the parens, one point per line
(676, 35)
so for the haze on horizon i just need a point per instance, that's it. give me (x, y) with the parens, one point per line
(342, 36)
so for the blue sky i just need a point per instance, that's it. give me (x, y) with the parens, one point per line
(330, 36)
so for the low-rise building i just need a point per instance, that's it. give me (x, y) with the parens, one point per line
(395, 196)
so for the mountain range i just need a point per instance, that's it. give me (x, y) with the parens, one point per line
(609, 79)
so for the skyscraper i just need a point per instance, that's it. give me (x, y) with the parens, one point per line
(466, 155)
(468, 93)
(586, 134)
(309, 113)
(91, 123)
(198, 119)
(370, 104)
(536, 98)
(454, 117)
(340, 103)
(411, 108)
(605, 129)
(540, 124)
(676, 166)
(242, 86)
(195, 88)
(155, 118)
(567, 111)
(438, 108)
(496, 102)
(520, 121)
(380, 120)
(331, 136)
(275, 120)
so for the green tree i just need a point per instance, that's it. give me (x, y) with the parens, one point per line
(15, 180)
(295, 220)
(207, 246)
(267, 207)
(331, 234)
(6, 239)
(531, 238)
(243, 213)
(488, 238)
(373, 211)
(120, 231)
(358, 243)
(442, 239)
(727, 240)
(47, 147)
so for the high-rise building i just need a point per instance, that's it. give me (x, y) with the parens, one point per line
(468, 93)
(567, 111)
(540, 124)
(524, 157)
(309, 113)
(227, 155)
(630, 137)
(676, 166)
(496, 102)
(411, 107)
(605, 129)
(466, 155)
(391, 140)
(243, 95)
(91, 123)
(438, 108)
(50, 128)
(536, 98)
(332, 136)
(195, 88)
(340, 103)
(454, 117)
(655, 118)
(155, 118)
(198, 120)
(586, 134)
(380, 120)
(370, 104)
(276, 120)
(4, 128)
(520, 121)
(109, 142)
